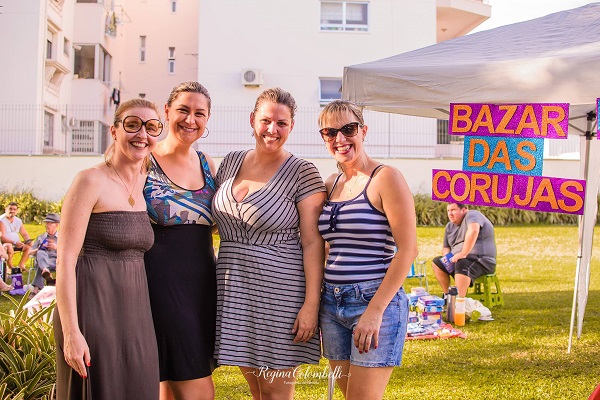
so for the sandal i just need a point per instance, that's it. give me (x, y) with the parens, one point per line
(48, 277)
(6, 288)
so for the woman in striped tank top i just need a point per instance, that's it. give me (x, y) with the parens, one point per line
(368, 214)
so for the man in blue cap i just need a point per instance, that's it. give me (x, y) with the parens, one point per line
(44, 249)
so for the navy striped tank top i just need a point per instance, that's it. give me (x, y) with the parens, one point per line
(361, 245)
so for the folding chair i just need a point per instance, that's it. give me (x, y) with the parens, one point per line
(3, 270)
(417, 270)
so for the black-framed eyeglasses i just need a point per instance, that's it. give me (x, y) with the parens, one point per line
(133, 124)
(348, 130)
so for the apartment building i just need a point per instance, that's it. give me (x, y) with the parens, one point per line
(75, 60)
(37, 64)
(159, 47)
(303, 46)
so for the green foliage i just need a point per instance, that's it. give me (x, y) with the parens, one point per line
(429, 212)
(520, 355)
(433, 213)
(27, 353)
(31, 209)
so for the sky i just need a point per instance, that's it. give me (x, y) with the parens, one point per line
(506, 12)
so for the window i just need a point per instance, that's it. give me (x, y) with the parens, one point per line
(106, 60)
(330, 89)
(142, 48)
(173, 6)
(50, 39)
(442, 133)
(48, 49)
(66, 46)
(171, 60)
(85, 62)
(48, 129)
(85, 56)
(344, 16)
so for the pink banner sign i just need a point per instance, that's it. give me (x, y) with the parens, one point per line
(536, 120)
(535, 193)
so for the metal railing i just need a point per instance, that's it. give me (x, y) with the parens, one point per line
(84, 129)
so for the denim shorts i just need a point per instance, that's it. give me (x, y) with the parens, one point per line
(341, 308)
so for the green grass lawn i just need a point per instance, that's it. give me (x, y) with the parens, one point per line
(521, 355)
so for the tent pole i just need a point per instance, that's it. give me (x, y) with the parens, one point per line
(574, 309)
(582, 225)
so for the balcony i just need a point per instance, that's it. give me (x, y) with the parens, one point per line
(54, 74)
(456, 18)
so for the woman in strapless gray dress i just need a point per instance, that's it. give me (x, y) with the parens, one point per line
(106, 346)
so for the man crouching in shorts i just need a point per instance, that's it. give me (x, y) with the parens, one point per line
(469, 249)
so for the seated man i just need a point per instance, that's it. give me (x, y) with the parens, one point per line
(11, 227)
(469, 237)
(44, 249)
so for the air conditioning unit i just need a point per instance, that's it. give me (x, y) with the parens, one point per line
(252, 77)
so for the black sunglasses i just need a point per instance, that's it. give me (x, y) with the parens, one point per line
(133, 124)
(348, 130)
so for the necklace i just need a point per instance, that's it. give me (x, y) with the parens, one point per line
(130, 199)
(353, 184)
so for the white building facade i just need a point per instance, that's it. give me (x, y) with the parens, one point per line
(75, 60)
(159, 47)
(302, 47)
(36, 44)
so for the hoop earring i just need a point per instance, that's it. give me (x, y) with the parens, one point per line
(206, 133)
(252, 134)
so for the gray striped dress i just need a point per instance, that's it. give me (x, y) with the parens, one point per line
(260, 273)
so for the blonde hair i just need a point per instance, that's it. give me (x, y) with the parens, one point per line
(129, 104)
(276, 95)
(338, 107)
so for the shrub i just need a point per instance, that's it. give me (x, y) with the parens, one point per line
(27, 353)
(433, 213)
(429, 212)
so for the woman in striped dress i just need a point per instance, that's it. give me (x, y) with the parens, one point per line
(369, 212)
(270, 263)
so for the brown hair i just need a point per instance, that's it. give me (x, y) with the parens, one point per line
(133, 103)
(276, 95)
(339, 107)
(188, 87)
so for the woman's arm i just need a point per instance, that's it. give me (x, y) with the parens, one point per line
(313, 256)
(79, 203)
(396, 200)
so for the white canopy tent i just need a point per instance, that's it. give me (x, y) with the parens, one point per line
(553, 59)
